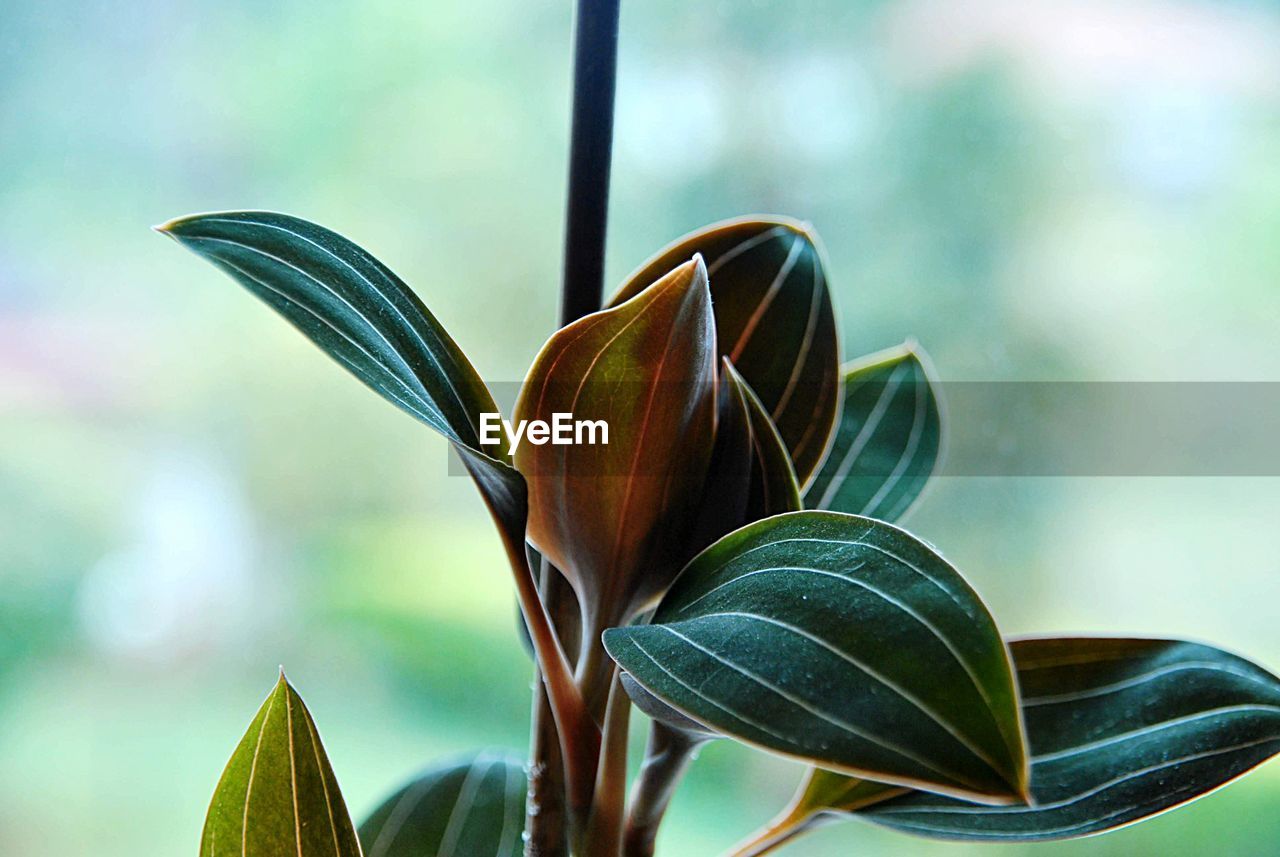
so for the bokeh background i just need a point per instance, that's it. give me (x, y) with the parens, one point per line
(190, 494)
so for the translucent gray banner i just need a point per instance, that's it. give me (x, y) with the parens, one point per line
(1090, 429)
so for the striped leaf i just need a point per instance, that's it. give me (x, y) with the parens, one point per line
(473, 807)
(654, 708)
(353, 307)
(750, 476)
(842, 641)
(278, 794)
(888, 439)
(364, 317)
(607, 515)
(1119, 730)
(773, 319)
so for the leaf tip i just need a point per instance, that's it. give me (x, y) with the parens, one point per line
(611, 638)
(699, 267)
(167, 228)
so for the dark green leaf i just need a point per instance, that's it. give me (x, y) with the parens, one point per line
(353, 307)
(842, 641)
(470, 808)
(364, 317)
(655, 708)
(1119, 730)
(773, 319)
(750, 476)
(278, 794)
(605, 514)
(888, 439)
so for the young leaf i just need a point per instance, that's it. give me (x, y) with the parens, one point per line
(605, 514)
(805, 633)
(888, 439)
(473, 807)
(278, 794)
(773, 320)
(750, 476)
(364, 317)
(1119, 730)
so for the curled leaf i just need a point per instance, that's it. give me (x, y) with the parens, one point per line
(774, 320)
(608, 515)
(861, 605)
(278, 794)
(473, 806)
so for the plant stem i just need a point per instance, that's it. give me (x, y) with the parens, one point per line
(774, 836)
(546, 820)
(595, 47)
(667, 757)
(595, 71)
(579, 735)
(604, 833)
(800, 818)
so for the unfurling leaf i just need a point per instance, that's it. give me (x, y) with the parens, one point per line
(1119, 730)
(472, 807)
(887, 441)
(809, 634)
(278, 794)
(609, 515)
(750, 476)
(364, 317)
(773, 319)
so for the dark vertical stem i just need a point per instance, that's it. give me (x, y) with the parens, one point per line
(595, 71)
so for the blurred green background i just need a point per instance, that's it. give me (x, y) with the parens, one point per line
(190, 494)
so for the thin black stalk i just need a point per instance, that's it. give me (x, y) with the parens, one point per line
(595, 72)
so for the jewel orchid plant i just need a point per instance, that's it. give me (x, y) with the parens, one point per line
(729, 563)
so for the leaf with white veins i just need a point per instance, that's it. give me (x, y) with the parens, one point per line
(888, 439)
(364, 317)
(774, 320)
(278, 794)
(806, 634)
(473, 807)
(1119, 730)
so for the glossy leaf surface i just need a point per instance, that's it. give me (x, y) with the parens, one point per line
(609, 515)
(364, 317)
(750, 476)
(472, 807)
(278, 794)
(351, 306)
(806, 634)
(887, 441)
(774, 320)
(1119, 730)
